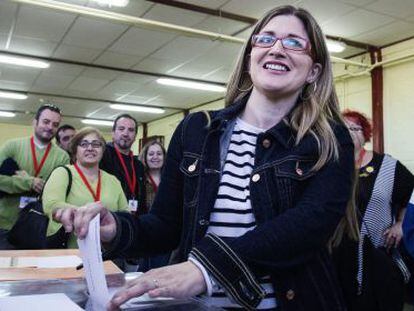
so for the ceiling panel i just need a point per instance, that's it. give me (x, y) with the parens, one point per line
(212, 4)
(184, 48)
(52, 83)
(43, 24)
(93, 33)
(168, 14)
(158, 64)
(32, 46)
(87, 85)
(140, 42)
(118, 60)
(390, 33)
(7, 14)
(398, 9)
(221, 25)
(254, 8)
(326, 9)
(356, 23)
(76, 53)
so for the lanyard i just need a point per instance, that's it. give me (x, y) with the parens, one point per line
(362, 153)
(37, 167)
(131, 182)
(153, 184)
(96, 195)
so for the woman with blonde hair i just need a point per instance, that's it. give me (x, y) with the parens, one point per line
(251, 194)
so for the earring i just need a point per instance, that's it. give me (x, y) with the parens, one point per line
(246, 90)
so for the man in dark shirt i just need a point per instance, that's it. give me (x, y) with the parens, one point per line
(119, 160)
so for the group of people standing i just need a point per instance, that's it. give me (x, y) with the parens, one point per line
(271, 203)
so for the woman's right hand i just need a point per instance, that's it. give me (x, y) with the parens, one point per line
(77, 220)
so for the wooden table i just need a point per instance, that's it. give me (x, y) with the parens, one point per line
(31, 273)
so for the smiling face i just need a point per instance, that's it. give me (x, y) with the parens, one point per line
(276, 71)
(155, 157)
(89, 150)
(46, 126)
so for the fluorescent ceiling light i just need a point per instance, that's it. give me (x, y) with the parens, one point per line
(120, 3)
(7, 114)
(191, 85)
(12, 95)
(335, 46)
(97, 122)
(136, 108)
(23, 61)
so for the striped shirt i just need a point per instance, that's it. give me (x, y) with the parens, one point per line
(232, 215)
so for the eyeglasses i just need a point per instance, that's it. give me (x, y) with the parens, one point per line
(288, 43)
(355, 129)
(95, 144)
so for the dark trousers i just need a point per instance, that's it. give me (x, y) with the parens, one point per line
(4, 243)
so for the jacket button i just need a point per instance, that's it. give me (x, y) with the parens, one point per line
(290, 294)
(203, 222)
(266, 143)
(191, 168)
(299, 171)
(256, 178)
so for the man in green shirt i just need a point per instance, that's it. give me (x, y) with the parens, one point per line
(36, 157)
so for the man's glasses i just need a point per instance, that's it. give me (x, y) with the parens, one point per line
(288, 43)
(95, 144)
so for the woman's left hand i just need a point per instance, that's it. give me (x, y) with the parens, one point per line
(393, 235)
(182, 280)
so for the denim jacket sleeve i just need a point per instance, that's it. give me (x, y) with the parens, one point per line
(287, 240)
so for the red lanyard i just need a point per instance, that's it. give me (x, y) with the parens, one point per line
(362, 153)
(153, 184)
(37, 167)
(96, 195)
(131, 182)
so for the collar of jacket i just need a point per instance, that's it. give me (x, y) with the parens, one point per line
(282, 131)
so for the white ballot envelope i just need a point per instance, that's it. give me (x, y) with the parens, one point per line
(90, 249)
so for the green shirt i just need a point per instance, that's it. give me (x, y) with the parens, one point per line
(16, 186)
(54, 195)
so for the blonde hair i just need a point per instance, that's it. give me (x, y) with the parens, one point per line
(317, 104)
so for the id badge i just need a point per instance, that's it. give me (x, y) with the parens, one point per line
(26, 200)
(133, 205)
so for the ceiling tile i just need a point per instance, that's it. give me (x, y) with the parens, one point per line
(93, 33)
(45, 82)
(100, 73)
(387, 34)
(7, 13)
(116, 89)
(42, 23)
(117, 60)
(158, 64)
(212, 4)
(140, 42)
(253, 8)
(184, 48)
(87, 84)
(64, 69)
(398, 9)
(32, 46)
(76, 53)
(176, 16)
(355, 23)
(359, 3)
(221, 25)
(325, 10)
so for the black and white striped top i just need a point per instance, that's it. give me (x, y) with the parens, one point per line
(232, 215)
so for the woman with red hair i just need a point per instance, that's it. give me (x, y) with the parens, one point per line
(372, 272)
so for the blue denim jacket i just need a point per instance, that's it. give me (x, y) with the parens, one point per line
(296, 211)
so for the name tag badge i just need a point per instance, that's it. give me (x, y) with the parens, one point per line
(26, 200)
(133, 205)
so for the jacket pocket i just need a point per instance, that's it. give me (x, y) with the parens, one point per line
(290, 178)
(190, 167)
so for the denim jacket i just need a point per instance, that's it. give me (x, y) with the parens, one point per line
(296, 211)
